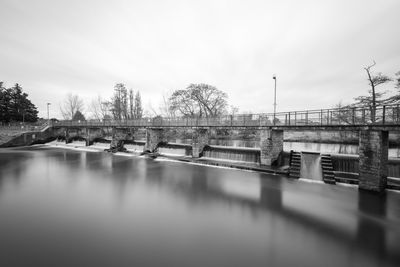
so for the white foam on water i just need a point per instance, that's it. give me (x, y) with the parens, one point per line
(225, 160)
(347, 185)
(74, 147)
(123, 154)
(311, 181)
(205, 165)
(393, 190)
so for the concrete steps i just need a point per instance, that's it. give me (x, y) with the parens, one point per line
(295, 164)
(346, 177)
(393, 183)
(328, 176)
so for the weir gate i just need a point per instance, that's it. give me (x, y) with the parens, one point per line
(373, 126)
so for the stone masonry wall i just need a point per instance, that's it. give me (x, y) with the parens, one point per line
(154, 137)
(199, 141)
(271, 145)
(373, 151)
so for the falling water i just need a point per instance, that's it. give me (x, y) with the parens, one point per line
(311, 166)
(251, 155)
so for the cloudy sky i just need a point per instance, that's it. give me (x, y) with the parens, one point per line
(316, 48)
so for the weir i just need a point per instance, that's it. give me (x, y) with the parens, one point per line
(373, 139)
(311, 166)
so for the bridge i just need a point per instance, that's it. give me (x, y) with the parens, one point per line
(383, 117)
(373, 126)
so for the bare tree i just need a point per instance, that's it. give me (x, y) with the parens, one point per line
(182, 102)
(233, 110)
(99, 108)
(138, 110)
(131, 104)
(119, 102)
(165, 107)
(71, 105)
(211, 100)
(374, 99)
(201, 100)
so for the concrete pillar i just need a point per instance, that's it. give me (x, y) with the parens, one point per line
(199, 141)
(67, 138)
(154, 136)
(373, 151)
(271, 145)
(91, 134)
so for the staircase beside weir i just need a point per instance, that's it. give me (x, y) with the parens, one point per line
(328, 175)
(295, 164)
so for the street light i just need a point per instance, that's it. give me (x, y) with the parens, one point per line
(48, 114)
(274, 77)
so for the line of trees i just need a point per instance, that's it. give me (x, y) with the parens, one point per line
(196, 100)
(15, 105)
(123, 105)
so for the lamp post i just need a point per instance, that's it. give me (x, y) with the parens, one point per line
(274, 77)
(48, 114)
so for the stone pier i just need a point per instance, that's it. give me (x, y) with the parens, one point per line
(199, 141)
(67, 135)
(373, 151)
(92, 134)
(154, 136)
(119, 135)
(271, 145)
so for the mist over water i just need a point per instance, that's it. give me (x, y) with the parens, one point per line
(75, 208)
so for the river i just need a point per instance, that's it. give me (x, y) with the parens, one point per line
(62, 207)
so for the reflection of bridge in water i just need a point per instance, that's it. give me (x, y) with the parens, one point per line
(359, 223)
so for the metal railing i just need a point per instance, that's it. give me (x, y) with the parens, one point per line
(382, 115)
(26, 127)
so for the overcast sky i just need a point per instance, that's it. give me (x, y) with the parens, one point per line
(316, 48)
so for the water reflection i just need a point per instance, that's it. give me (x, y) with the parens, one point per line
(88, 209)
(371, 231)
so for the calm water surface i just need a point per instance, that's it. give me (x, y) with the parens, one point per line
(73, 208)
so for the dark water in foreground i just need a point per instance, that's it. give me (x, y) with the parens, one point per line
(69, 208)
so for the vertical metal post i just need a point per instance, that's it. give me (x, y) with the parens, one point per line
(274, 77)
(307, 117)
(363, 115)
(295, 118)
(383, 114)
(353, 114)
(48, 114)
(327, 117)
(289, 118)
(320, 117)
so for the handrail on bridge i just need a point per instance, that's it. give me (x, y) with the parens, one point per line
(381, 115)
